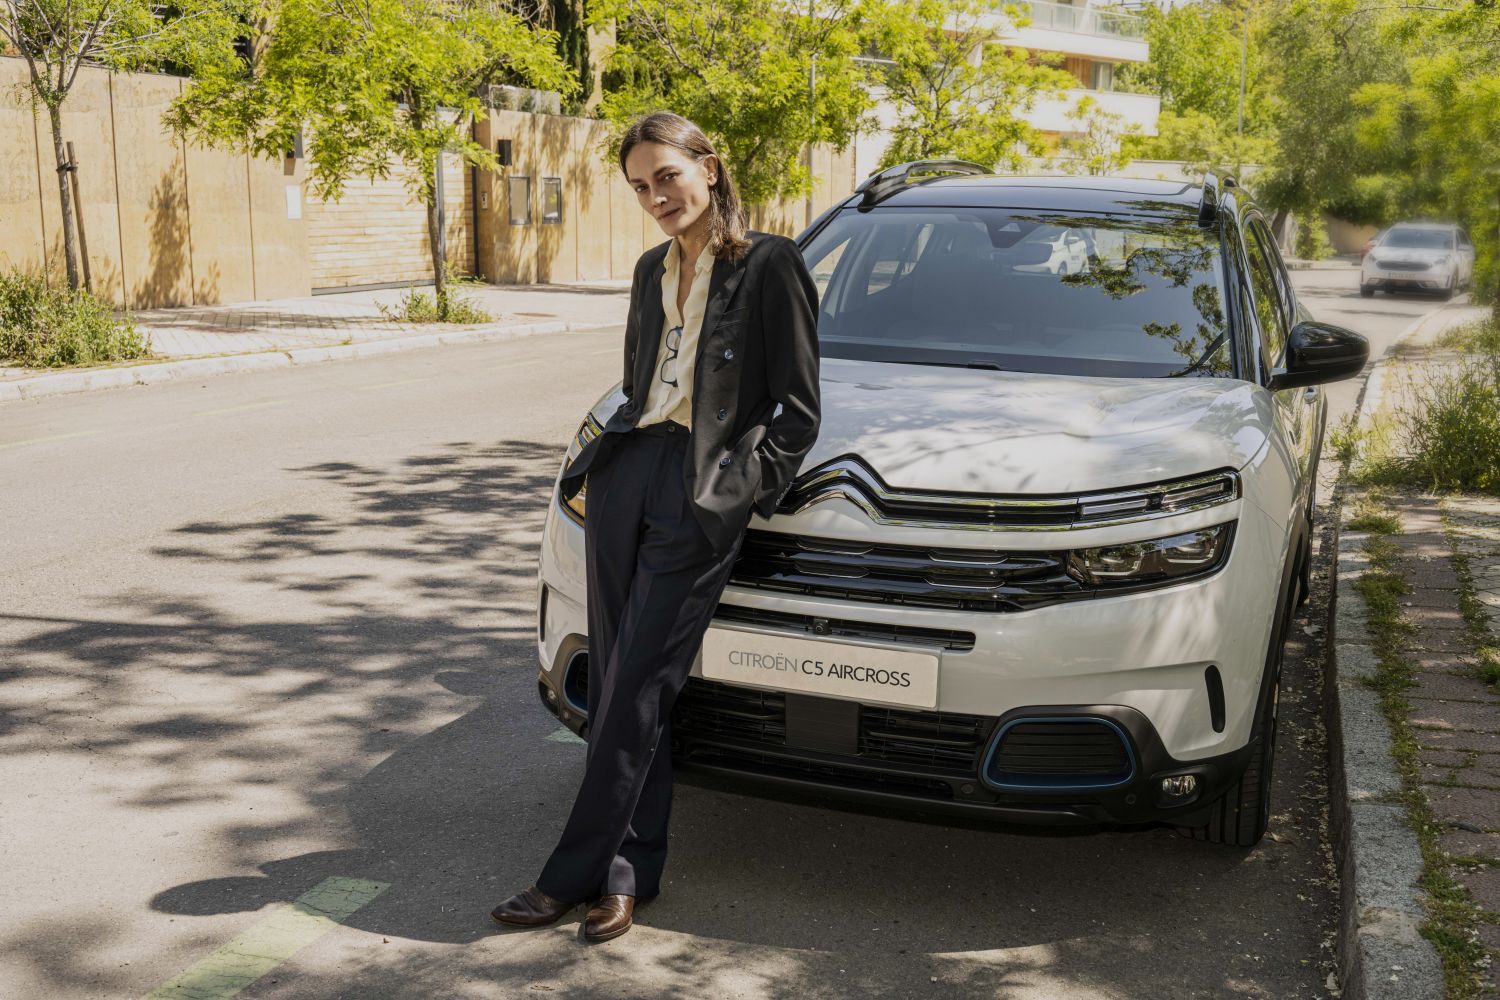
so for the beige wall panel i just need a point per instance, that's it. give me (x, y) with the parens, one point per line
(624, 226)
(555, 156)
(588, 201)
(86, 123)
(219, 226)
(376, 232)
(515, 246)
(20, 205)
(149, 164)
(484, 193)
(277, 193)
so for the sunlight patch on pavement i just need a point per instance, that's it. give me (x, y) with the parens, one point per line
(562, 734)
(260, 948)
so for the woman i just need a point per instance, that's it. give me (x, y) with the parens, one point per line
(722, 328)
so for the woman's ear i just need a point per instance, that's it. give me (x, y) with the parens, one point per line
(710, 164)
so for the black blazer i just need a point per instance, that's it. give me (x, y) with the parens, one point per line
(757, 347)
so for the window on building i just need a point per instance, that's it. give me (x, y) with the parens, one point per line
(1104, 76)
(551, 200)
(518, 186)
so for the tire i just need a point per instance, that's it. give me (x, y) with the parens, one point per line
(1240, 817)
(1447, 293)
(1368, 291)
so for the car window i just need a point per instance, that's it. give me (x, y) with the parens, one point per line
(1419, 239)
(1269, 312)
(1464, 243)
(1284, 293)
(1056, 292)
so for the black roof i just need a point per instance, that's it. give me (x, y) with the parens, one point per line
(1105, 195)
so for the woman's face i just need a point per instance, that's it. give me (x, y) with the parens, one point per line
(671, 186)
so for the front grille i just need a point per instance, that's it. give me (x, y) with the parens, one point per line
(1405, 265)
(735, 718)
(819, 627)
(1055, 752)
(919, 576)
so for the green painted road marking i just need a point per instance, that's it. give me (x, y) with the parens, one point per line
(241, 409)
(562, 734)
(259, 949)
(46, 440)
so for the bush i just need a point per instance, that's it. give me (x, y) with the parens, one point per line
(1312, 237)
(419, 307)
(42, 327)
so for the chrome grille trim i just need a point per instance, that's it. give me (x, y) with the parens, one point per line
(848, 478)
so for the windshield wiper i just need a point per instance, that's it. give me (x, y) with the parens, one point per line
(993, 366)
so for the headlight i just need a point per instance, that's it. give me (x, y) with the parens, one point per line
(1159, 559)
(587, 431)
(1440, 261)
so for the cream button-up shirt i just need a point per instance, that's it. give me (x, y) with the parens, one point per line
(665, 401)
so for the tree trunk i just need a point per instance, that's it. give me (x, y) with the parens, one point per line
(70, 229)
(435, 244)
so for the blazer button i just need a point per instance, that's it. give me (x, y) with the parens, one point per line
(723, 461)
(723, 413)
(728, 353)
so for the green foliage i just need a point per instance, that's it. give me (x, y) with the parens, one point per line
(419, 307)
(740, 69)
(1195, 62)
(45, 327)
(371, 81)
(948, 105)
(1097, 145)
(1312, 237)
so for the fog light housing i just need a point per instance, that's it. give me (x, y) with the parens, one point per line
(1179, 786)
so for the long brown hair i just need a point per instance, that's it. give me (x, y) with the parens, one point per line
(726, 217)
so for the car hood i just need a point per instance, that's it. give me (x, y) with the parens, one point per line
(968, 430)
(1009, 432)
(1408, 253)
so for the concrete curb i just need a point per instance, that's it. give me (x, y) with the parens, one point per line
(64, 383)
(1382, 954)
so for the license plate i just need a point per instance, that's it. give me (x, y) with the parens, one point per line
(821, 667)
(1405, 276)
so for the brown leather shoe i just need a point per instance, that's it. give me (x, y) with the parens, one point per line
(609, 918)
(531, 907)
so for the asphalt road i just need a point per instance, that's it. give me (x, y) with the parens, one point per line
(268, 637)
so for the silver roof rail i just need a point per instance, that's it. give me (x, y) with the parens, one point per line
(879, 185)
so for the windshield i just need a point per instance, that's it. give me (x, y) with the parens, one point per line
(1032, 291)
(1424, 239)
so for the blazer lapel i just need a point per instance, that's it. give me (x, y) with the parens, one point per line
(722, 282)
(648, 329)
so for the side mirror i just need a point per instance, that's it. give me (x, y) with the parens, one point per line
(1318, 353)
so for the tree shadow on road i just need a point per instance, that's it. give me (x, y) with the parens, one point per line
(362, 673)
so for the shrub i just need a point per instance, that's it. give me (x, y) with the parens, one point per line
(419, 307)
(42, 327)
(1455, 437)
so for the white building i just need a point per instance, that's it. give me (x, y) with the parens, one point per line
(1093, 43)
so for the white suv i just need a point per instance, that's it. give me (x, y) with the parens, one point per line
(1039, 563)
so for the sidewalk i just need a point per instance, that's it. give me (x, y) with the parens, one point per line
(283, 332)
(1418, 717)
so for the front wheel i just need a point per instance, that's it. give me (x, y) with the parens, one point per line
(1447, 293)
(1241, 816)
(1368, 291)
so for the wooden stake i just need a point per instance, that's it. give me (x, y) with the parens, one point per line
(83, 240)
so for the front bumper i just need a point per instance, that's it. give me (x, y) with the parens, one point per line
(1137, 662)
(1427, 279)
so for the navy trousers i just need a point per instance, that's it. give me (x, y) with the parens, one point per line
(653, 582)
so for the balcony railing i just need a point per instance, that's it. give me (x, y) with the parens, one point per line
(1081, 20)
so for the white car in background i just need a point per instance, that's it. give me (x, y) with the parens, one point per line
(1419, 256)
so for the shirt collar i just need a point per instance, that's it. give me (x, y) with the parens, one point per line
(673, 259)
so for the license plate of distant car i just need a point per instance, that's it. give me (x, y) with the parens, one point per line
(821, 667)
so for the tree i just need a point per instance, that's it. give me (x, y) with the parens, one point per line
(763, 78)
(957, 92)
(371, 81)
(1097, 145)
(1435, 128)
(57, 38)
